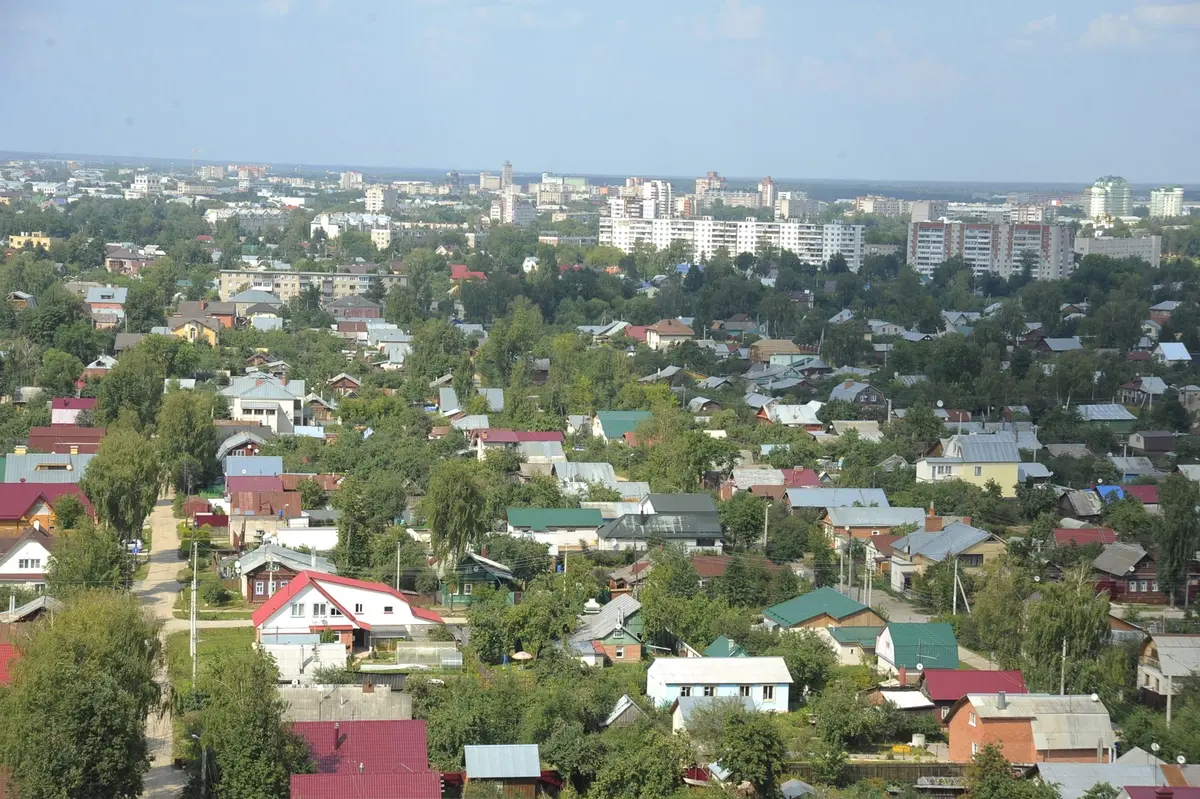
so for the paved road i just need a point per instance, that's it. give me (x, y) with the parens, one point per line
(158, 591)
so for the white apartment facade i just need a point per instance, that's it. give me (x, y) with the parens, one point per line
(1166, 202)
(1148, 248)
(285, 283)
(1108, 196)
(811, 243)
(890, 207)
(658, 199)
(379, 199)
(512, 209)
(349, 181)
(991, 247)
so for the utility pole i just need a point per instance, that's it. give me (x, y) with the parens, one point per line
(194, 641)
(1170, 690)
(955, 591)
(766, 524)
(841, 566)
(397, 565)
(1062, 679)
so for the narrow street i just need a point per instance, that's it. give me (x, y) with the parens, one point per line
(158, 592)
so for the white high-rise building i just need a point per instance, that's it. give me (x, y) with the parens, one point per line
(350, 181)
(791, 205)
(379, 199)
(710, 182)
(658, 201)
(1166, 202)
(766, 193)
(1108, 196)
(511, 208)
(145, 185)
(814, 244)
(992, 247)
(211, 172)
(506, 175)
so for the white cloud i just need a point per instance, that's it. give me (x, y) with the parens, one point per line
(1112, 30)
(275, 8)
(1042, 25)
(1169, 15)
(739, 22)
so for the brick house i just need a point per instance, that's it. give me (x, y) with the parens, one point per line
(610, 634)
(1032, 728)
(945, 687)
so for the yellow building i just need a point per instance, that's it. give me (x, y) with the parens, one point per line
(976, 459)
(19, 241)
(936, 542)
(194, 330)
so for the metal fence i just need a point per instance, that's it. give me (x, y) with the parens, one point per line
(899, 773)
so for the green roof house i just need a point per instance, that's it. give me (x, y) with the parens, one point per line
(818, 609)
(613, 425)
(722, 647)
(558, 528)
(902, 647)
(472, 573)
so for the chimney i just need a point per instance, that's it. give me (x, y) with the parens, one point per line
(313, 555)
(903, 676)
(848, 383)
(337, 735)
(1001, 700)
(74, 449)
(933, 523)
(20, 449)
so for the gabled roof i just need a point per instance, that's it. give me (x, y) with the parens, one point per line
(709, 566)
(306, 578)
(722, 647)
(612, 617)
(823, 601)
(45, 467)
(835, 497)
(698, 671)
(1146, 494)
(1117, 559)
(366, 747)
(1178, 654)
(682, 503)
(502, 762)
(1082, 536)
(950, 685)
(240, 439)
(542, 519)
(1063, 344)
(848, 390)
(953, 539)
(17, 498)
(663, 525)
(254, 465)
(875, 517)
(1173, 351)
(617, 423)
(35, 534)
(931, 644)
(858, 636)
(1106, 412)
(272, 553)
(235, 484)
(1057, 722)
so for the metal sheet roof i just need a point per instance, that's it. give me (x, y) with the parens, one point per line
(985, 448)
(835, 497)
(954, 539)
(503, 762)
(663, 525)
(1108, 412)
(254, 465)
(738, 671)
(45, 467)
(1178, 654)
(823, 601)
(1076, 779)
(875, 517)
(1058, 722)
(1117, 559)
(611, 617)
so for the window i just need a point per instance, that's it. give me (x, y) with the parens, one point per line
(297, 610)
(29, 563)
(768, 693)
(685, 690)
(1144, 586)
(467, 589)
(706, 543)
(619, 653)
(282, 583)
(710, 690)
(971, 718)
(387, 608)
(333, 611)
(971, 560)
(945, 711)
(743, 690)
(974, 748)
(260, 588)
(1154, 586)
(320, 609)
(358, 608)
(874, 532)
(979, 471)
(1132, 586)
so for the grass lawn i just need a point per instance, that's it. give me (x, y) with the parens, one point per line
(215, 615)
(213, 642)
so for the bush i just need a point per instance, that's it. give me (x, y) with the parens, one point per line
(213, 593)
(333, 675)
(201, 535)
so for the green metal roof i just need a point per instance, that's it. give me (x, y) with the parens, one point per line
(863, 636)
(541, 519)
(809, 606)
(722, 647)
(618, 423)
(933, 645)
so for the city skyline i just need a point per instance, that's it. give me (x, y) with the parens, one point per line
(800, 93)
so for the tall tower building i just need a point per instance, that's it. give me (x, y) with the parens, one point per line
(658, 200)
(506, 175)
(767, 193)
(1166, 202)
(1108, 196)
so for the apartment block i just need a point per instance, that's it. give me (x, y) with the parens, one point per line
(815, 244)
(379, 199)
(285, 283)
(1148, 248)
(1166, 202)
(991, 247)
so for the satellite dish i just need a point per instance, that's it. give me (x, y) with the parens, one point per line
(1154, 747)
(940, 404)
(243, 471)
(1037, 578)
(1181, 760)
(1095, 697)
(920, 667)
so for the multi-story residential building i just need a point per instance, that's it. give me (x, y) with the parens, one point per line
(811, 243)
(657, 199)
(489, 182)
(379, 199)
(710, 182)
(286, 283)
(926, 210)
(623, 207)
(791, 205)
(881, 206)
(334, 223)
(251, 219)
(991, 247)
(1148, 248)
(211, 172)
(381, 237)
(741, 199)
(19, 241)
(506, 177)
(511, 208)
(1108, 196)
(766, 193)
(350, 181)
(1166, 202)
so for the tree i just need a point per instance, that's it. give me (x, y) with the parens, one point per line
(744, 583)
(1101, 790)
(753, 751)
(75, 714)
(311, 494)
(491, 630)
(68, 512)
(134, 384)
(990, 776)
(240, 703)
(58, 373)
(454, 507)
(743, 516)
(187, 439)
(1179, 533)
(122, 481)
(809, 659)
(84, 558)
(640, 762)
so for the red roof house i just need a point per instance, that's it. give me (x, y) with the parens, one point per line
(65, 439)
(238, 483)
(710, 566)
(944, 687)
(22, 504)
(381, 759)
(66, 410)
(1146, 494)
(1065, 536)
(463, 272)
(801, 478)
(285, 504)
(636, 332)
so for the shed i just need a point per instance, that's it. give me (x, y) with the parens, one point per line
(516, 767)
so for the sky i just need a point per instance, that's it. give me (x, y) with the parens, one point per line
(863, 89)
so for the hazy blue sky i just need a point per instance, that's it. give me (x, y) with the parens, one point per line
(975, 90)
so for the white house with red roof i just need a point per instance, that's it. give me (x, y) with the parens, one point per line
(356, 611)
